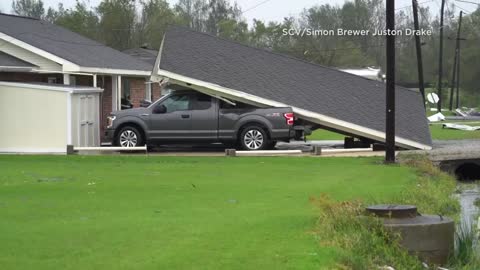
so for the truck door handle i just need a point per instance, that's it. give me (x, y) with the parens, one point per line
(185, 116)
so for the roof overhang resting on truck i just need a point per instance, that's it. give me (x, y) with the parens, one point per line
(330, 98)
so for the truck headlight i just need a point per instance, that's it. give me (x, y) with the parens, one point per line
(110, 120)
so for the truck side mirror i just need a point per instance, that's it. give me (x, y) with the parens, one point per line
(145, 103)
(160, 109)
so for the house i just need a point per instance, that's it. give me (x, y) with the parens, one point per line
(36, 51)
(33, 51)
(143, 54)
(325, 97)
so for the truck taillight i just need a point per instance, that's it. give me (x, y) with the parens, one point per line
(289, 117)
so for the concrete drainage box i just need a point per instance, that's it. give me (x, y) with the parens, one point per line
(44, 118)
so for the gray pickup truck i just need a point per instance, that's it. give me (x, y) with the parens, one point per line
(193, 117)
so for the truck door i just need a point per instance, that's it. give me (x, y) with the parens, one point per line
(204, 117)
(171, 119)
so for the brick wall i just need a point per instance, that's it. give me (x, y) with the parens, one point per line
(105, 82)
(137, 91)
(156, 91)
(84, 80)
(29, 77)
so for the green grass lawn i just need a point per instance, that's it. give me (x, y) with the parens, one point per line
(322, 134)
(438, 133)
(137, 212)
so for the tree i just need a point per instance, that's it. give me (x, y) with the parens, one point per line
(155, 17)
(234, 30)
(220, 11)
(192, 13)
(79, 19)
(28, 8)
(117, 23)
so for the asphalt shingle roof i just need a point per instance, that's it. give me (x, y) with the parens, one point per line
(146, 55)
(292, 81)
(67, 44)
(7, 60)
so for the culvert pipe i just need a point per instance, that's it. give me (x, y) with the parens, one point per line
(430, 237)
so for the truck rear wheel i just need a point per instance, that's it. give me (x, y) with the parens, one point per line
(254, 138)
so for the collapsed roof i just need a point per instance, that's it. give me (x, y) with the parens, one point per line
(328, 97)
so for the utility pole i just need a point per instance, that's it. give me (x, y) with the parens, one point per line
(390, 86)
(455, 64)
(440, 59)
(418, 46)
(457, 104)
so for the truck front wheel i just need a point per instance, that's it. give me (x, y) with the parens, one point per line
(254, 138)
(129, 137)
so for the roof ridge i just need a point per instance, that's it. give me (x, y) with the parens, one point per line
(19, 16)
(283, 55)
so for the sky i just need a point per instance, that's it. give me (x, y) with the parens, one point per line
(269, 10)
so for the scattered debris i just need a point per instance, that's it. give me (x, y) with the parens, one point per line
(91, 184)
(436, 117)
(50, 179)
(465, 112)
(433, 98)
(461, 127)
(386, 267)
(478, 228)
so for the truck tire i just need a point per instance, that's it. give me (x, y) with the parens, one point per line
(129, 136)
(271, 145)
(254, 137)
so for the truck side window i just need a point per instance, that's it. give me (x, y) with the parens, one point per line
(238, 105)
(201, 102)
(176, 103)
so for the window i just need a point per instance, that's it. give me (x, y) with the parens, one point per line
(52, 79)
(148, 92)
(73, 80)
(126, 102)
(201, 102)
(176, 103)
(238, 105)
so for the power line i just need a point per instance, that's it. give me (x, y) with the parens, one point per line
(255, 6)
(464, 10)
(424, 2)
(469, 2)
(353, 48)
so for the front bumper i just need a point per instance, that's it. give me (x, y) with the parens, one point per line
(109, 135)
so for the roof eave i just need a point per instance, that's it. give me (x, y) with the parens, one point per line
(69, 66)
(16, 69)
(60, 87)
(113, 71)
(35, 50)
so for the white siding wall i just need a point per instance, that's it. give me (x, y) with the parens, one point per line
(28, 56)
(32, 120)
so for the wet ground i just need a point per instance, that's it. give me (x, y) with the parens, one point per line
(220, 148)
(456, 144)
(469, 194)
